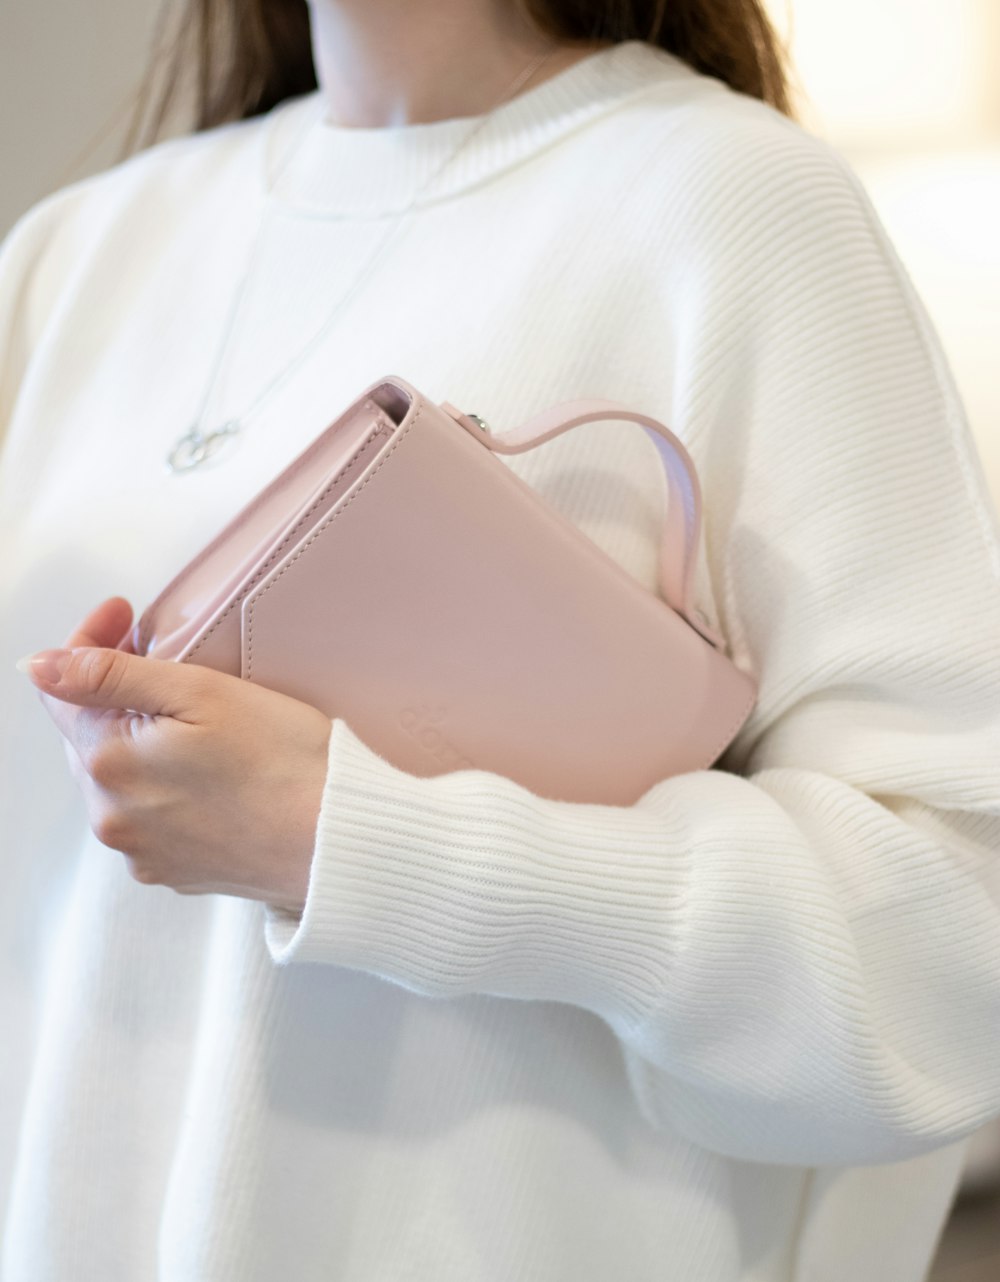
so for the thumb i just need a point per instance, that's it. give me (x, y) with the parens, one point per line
(96, 677)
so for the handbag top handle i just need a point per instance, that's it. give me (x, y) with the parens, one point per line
(682, 527)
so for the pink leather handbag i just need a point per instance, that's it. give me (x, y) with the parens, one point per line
(399, 576)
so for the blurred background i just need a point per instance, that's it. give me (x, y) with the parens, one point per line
(907, 90)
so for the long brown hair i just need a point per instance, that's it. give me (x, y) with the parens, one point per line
(245, 56)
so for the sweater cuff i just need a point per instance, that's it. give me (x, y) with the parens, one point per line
(469, 882)
(368, 805)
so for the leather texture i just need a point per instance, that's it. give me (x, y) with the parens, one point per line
(399, 576)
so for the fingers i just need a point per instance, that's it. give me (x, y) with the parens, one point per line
(104, 626)
(84, 729)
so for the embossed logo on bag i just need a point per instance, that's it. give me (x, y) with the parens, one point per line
(423, 723)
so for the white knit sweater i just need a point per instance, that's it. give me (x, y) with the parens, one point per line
(737, 1031)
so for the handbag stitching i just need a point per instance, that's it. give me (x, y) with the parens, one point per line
(263, 568)
(319, 530)
(251, 508)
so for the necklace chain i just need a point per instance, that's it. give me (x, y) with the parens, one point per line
(196, 447)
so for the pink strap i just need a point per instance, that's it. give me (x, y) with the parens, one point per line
(682, 527)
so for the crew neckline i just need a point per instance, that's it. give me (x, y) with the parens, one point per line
(315, 168)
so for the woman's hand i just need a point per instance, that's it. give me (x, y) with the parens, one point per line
(206, 783)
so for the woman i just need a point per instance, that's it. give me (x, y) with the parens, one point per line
(443, 1028)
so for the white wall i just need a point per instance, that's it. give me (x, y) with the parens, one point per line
(68, 69)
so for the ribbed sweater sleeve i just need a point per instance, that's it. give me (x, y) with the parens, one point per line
(799, 954)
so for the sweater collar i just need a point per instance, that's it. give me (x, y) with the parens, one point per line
(315, 168)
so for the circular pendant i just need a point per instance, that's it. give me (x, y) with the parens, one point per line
(196, 447)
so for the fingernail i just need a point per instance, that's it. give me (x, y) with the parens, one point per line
(47, 664)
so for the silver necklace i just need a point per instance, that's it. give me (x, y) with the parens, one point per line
(196, 446)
